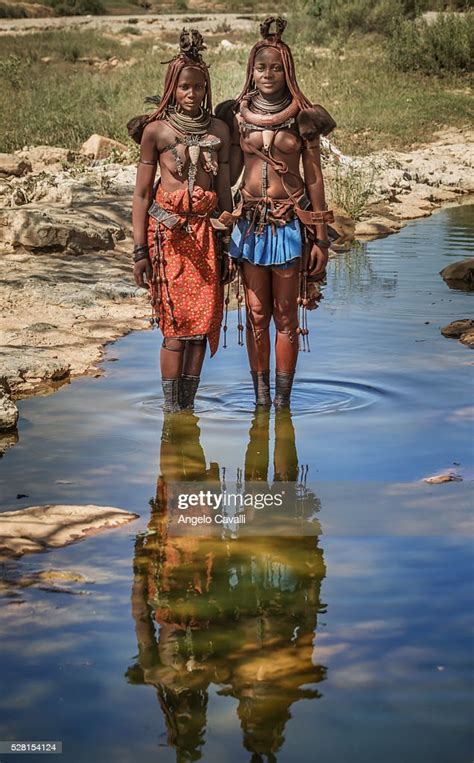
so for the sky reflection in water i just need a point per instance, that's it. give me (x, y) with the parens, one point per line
(352, 644)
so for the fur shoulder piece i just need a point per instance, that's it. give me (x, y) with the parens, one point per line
(136, 125)
(226, 112)
(314, 122)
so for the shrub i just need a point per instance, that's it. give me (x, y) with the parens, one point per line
(350, 187)
(444, 45)
(13, 70)
(77, 7)
(347, 16)
(12, 11)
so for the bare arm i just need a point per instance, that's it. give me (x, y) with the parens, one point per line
(142, 198)
(144, 184)
(223, 190)
(236, 153)
(313, 177)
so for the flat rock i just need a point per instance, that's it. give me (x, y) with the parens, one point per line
(100, 147)
(40, 228)
(28, 370)
(10, 164)
(39, 528)
(459, 275)
(376, 227)
(456, 328)
(438, 479)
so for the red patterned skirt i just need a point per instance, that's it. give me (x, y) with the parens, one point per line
(186, 292)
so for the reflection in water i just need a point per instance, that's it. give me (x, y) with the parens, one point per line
(356, 275)
(239, 613)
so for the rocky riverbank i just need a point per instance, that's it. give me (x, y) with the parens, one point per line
(66, 286)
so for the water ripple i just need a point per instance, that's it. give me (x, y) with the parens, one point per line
(310, 397)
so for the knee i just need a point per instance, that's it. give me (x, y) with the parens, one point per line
(286, 318)
(258, 315)
(173, 344)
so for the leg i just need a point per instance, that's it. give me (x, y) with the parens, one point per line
(285, 282)
(257, 453)
(258, 302)
(192, 364)
(171, 363)
(194, 353)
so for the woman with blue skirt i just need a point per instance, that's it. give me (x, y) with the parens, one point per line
(280, 238)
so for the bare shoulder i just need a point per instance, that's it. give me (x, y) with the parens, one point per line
(158, 132)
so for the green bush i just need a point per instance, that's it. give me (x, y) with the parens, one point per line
(12, 11)
(444, 45)
(347, 16)
(78, 7)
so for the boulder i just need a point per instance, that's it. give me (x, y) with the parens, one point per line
(343, 224)
(8, 440)
(39, 528)
(455, 329)
(10, 164)
(8, 409)
(459, 275)
(100, 147)
(468, 338)
(51, 157)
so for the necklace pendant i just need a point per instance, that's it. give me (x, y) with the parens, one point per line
(268, 136)
(194, 150)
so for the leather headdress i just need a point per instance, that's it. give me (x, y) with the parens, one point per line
(191, 44)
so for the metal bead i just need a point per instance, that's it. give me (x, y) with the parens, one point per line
(305, 302)
(299, 331)
(240, 298)
(299, 300)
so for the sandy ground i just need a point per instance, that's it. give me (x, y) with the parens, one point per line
(205, 22)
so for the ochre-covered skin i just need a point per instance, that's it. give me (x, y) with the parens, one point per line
(275, 130)
(181, 265)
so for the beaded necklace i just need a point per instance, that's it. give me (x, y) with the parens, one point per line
(264, 106)
(193, 130)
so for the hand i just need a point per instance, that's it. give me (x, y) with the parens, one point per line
(140, 269)
(314, 295)
(318, 260)
(228, 269)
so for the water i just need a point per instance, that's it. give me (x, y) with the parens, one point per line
(334, 629)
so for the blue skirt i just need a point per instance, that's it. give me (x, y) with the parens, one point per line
(275, 247)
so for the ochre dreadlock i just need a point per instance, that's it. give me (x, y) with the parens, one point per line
(190, 43)
(273, 40)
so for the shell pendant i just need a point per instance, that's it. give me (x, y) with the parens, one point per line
(267, 137)
(194, 151)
